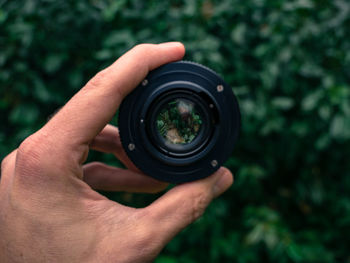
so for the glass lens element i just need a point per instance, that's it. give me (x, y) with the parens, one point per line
(178, 122)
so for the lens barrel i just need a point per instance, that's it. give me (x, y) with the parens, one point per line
(180, 124)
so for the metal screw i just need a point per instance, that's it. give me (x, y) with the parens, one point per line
(219, 88)
(131, 146)
(214, 163)
(144, 82)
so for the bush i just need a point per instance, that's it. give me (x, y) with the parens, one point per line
(287, 61)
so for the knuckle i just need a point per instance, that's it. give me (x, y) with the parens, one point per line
(29, 146)
(143, 232)
(94, 166)
(143, 48)
(146, 237)
(30, 153)
(90, 170)
(5, 162)
(142, 55)
(198, 203)
(98, 80)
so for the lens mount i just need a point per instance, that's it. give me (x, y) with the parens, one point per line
(180, 124)
(180, 148)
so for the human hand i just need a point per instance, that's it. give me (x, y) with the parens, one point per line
(48, 210)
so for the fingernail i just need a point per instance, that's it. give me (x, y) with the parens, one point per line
(223, 182)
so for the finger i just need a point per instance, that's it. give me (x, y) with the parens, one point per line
(108, 141)
(185, 203)
(7, 168)
(103, 177)
(88, 112)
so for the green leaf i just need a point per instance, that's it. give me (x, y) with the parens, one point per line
(283, 103)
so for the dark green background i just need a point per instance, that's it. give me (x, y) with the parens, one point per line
(287, 61)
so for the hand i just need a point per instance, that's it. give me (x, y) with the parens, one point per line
(48, 210)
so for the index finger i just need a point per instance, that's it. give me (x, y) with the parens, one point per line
(88, 112)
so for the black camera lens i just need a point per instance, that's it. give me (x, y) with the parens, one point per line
(180, 124)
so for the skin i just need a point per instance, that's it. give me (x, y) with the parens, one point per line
(49, 211)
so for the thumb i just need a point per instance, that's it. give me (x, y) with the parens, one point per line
(185, 203)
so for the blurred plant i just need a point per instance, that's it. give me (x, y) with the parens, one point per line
(288, 61)
(179, 122)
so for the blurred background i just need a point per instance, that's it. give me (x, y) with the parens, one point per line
(288, 63)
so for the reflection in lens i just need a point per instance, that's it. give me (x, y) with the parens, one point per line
(178, 122)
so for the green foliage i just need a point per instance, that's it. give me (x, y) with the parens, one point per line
(288, 61)
(178, 122)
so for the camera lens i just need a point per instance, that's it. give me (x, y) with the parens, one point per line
(177, 124)
(180, 124)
